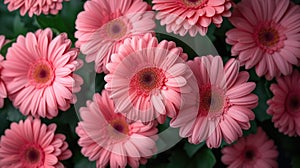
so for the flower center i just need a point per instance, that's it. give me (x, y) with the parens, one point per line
(268, 37)
(146, 80)
(119, 126)
(249, 155)
(212, 101)
(116, 29)
(41, 73)
(293, 103)
(32, 156)
(194, 3)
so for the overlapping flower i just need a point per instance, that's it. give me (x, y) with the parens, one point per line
(266, 36)
(38, 73)
(255, 150)
(35, 7)
(285, 105)
(225, 101)
(32, 144)
(101, 33)
(108, 137)
(191, 16)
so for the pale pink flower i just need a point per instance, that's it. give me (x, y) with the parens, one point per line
(101, 33)
(191, 16)
(254, 150)
(225, 101)
(266, 36)
(107, 138)
(3, 92)
(38, 73)
(35, 7)
(150, 80)
(285, 105)
(32, 144)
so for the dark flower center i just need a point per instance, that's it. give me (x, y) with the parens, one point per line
(212, 100)
(41, 73)
(147, 79)
(268, 37)
(193, 3)
(116, 29)
(119, 126)
(249, 155)
(293, 103)
(33, 155)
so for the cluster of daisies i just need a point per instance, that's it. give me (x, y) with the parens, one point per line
(149, 81)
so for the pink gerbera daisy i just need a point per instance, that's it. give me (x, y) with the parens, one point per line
(193, 16)
(3, 92)
(266, 36)
(149, 80)
(255, 150)
(285, 105)
(225, 101)
(107, 137)
(31, 144)
(35, 7)
(101, 33)
(38, 73)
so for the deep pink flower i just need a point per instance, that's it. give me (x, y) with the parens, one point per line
(3, 92)
(266, 36)
(150, 80)
(101, 33)
(32, 144)
(106, 137)
(285, 105)
(225, 101)
(191, 16)
(35, 7)
(38, 73)
(255, 150)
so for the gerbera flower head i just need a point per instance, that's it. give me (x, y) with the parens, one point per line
(150, 80)
(38, 73)
(285, 104)
(254, 150)
(266, 36)
(225, 101)
(101, 33)
(107, 138)
(3, 92)
(35, 7)
(32, 144)
(191, 16)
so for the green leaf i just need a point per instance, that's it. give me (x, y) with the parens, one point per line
(4, 124)
(19, 26)
(204, 158)
(191, 149)
(65, 118)
(296, 161)
(4, 49)
(99, 82)
(65, 20)
(84, 162)
(178, 159)
(252, 129)
(261, 110)
(13, 114)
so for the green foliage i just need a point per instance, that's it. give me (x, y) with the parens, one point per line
(204, 158)
(261, 91)
(65, 20)
(192, 149)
